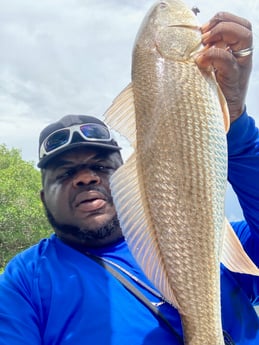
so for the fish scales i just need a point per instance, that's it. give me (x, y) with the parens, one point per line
(185, 187)
(173, 185)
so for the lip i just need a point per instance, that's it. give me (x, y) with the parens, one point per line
(90, 201)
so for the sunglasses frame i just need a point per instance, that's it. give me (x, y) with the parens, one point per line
(73, 129)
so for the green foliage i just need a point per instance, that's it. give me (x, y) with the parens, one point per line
(22, 218)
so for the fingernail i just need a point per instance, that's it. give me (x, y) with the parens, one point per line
(205, 27)
(205, 36)
(199, 58)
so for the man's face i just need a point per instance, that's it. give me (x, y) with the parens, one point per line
(77, 196)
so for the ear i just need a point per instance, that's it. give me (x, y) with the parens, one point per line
(42, 196)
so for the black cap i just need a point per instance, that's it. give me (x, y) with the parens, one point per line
(77, 140)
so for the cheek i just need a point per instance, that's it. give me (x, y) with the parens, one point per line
(55, 199)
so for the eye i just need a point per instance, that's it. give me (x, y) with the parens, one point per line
(65, 174)
(102, 168)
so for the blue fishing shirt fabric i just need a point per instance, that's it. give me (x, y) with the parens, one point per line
(53, 294)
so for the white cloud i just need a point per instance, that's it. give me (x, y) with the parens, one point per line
(73, 56)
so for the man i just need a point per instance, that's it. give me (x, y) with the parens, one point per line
(62, 290)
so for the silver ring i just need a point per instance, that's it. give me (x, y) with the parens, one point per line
(243, 52)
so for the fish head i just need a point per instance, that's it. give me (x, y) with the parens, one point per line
(170, 29)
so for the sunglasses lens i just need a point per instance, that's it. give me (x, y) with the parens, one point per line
(56, 140)
(95, 131)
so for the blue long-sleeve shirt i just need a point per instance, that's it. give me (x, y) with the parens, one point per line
(53, 294)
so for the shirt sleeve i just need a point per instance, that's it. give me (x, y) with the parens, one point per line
(243, 167)
(243, 174)
(19, 319)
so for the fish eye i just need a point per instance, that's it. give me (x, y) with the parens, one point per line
(163, 4)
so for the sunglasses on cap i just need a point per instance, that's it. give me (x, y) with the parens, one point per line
(63, 137)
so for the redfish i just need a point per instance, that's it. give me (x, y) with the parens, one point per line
(170, 193)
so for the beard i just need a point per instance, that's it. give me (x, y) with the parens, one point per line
(85, 234)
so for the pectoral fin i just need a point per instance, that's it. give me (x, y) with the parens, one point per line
(121, 114)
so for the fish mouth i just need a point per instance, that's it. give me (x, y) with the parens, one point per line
(185, 26)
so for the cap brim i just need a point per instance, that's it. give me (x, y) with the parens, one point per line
(46, 159)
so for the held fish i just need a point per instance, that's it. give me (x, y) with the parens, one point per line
(170, 193)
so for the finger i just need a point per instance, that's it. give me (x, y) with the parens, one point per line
(231, 34)
(221, 60)
(225, 17)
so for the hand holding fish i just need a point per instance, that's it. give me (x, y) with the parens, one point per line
(229, 41)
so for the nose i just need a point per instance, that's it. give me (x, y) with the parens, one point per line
(85, 177)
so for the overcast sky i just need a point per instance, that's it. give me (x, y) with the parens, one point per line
(73, 56)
